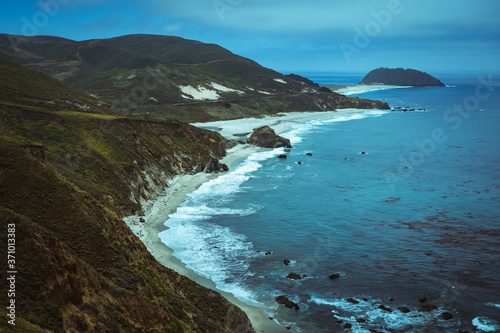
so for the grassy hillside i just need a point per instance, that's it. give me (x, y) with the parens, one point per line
(151, 75)
(66, 178)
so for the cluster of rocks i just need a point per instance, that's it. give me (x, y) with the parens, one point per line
(286, 302)
(427, 307)
(405, 109)
(266, 137)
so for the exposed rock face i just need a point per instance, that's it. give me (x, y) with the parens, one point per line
(266, 137)
(401, 77)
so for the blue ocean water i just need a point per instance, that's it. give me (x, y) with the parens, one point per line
(402, 205)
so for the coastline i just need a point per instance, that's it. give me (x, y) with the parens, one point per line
(157, 211)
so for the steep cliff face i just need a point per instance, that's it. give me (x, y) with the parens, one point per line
(81, 269)
(66, 179)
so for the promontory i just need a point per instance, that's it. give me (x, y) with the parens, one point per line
(401, 77)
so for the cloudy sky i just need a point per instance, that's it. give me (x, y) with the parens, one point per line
(436, 36)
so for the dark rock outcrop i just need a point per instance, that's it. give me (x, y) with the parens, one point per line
(385, 308)
(286, 302)
(334, 276)
(352, 300)
(294, 276)
(404, 309)
(266, 137)
(214, 166)
(287, 262)
(401, 77)
(446, 316)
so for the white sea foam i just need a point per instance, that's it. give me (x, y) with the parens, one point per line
(361, 89)
(369, 310)
(295, 135)
(496, 305)
(214, 251)
(486, 324)
(218, 252)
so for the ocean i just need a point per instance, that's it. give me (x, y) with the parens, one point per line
(401, 205)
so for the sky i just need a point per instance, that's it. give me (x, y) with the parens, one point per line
(436, 36)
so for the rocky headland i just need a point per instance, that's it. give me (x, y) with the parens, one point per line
(401, 77)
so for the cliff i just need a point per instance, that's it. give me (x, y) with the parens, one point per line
(68, 173)
(401, 77)
(168, 77)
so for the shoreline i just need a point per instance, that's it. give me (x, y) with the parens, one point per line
(158, 210)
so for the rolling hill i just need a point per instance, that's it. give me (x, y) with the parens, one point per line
(165, 76)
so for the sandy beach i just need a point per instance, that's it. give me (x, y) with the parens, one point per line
(157, 211)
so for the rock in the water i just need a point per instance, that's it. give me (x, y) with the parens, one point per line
(427, 307)
(422, 299)
(352, 300)
(285, 301)
(309, 154)
(404, 309)
(401, 77)
(334, 276)
(385, 308)
(266, 137)
(282, 156)
(294, 276)
(361, 320)
(347, 325)
(287, 262)
(291, 305)
(446, 316)
(141, 219)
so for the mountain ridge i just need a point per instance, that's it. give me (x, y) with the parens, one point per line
(166, 76)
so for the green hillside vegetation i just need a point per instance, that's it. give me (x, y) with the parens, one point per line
(67, 177)
(141, 75)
